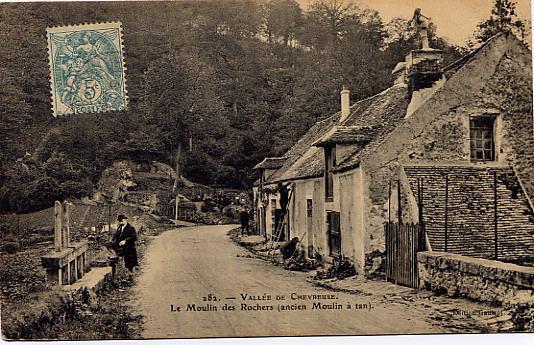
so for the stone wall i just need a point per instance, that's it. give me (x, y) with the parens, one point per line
(479, 279)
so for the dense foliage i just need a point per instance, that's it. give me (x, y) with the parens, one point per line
(213, 88)
(503, 18)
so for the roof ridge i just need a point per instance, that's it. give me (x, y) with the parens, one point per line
(466, 58)
(326, 119)
(457, 167)
(353, 127)
(376, 94)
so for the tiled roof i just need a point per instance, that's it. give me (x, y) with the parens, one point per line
(374, 117)
(380, 114)
(455, 66)
(347, 135)
(471, 211)
(304, 152)
(388, 111)
(270, 163)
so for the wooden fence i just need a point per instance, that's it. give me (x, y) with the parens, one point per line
(403, 241)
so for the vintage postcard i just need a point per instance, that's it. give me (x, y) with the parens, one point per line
(277, 168)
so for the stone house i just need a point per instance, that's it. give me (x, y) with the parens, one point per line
(454, 144)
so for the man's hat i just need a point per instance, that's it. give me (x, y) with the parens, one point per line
(121, 217)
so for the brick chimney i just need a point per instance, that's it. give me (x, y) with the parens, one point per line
(423, 68)
(345, 104)
(424, 65)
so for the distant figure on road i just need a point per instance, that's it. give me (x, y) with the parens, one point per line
(251, 221)
(124, 242)
(244, 217)
(289, 248)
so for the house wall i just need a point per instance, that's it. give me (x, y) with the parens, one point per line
(351, 205)
(497, 81)
(349, 202)
(408, 202)
(301, 191)
(319, 234)
(297, 213)
(258, 209)
(269, 221)
(342, 151)
(306, 229)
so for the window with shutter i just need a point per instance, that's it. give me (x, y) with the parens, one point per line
(330, 162)
(334, 233)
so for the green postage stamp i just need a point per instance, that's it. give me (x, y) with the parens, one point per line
(87, 68)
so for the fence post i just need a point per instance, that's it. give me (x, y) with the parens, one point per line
(65, 238)
(58, 226)
(495, 213)
(389, 202)
(399, 202)
(388, 247)
(446, 211)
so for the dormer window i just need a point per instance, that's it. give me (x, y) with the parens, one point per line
(482, 139)
(330, 162)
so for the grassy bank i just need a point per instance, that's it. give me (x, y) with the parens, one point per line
(54, 314)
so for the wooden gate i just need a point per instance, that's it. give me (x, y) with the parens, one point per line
(403, 241)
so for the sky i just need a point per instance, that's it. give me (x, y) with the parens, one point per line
(456, 20)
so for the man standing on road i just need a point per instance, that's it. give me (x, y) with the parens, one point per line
(244, 217)
(124, 241)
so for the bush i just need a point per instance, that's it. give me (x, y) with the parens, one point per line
(10, 247)
(375, 265)
(40, 193)
(35, 195)
(341, 269)
(298, 262)
(199, 167)
(523, 317)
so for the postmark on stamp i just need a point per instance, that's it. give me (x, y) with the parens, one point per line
(87, 70)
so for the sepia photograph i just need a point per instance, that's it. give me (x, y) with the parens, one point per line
(266, 168)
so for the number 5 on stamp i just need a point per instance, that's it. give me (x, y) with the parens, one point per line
(87, 68)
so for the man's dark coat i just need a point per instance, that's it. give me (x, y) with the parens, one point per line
(126, 233)
(244, 217)
(289, 248)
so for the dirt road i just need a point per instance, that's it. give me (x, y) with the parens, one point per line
(184, 266)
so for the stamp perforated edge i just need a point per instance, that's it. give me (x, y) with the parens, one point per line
(81, 26)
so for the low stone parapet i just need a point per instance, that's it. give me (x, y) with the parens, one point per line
(93, 281)
(67, 261)
(479, 279)
(67, 265)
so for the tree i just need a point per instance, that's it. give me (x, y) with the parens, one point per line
(504, 19)
(282, 19)
(181, 105)
(326, 21)
(213, 87)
